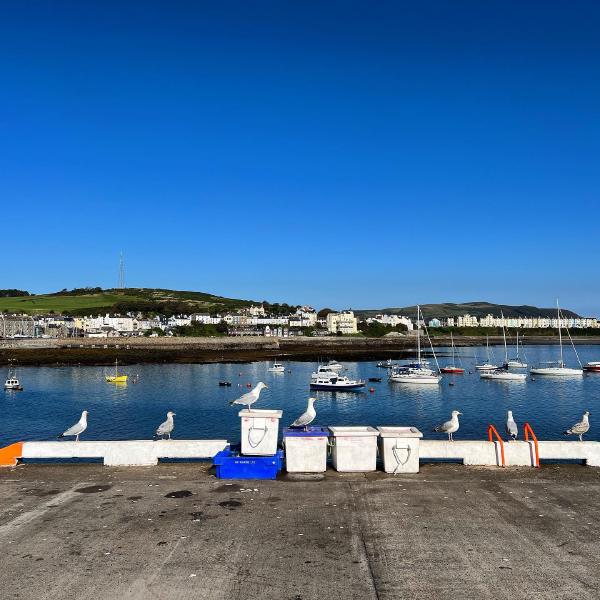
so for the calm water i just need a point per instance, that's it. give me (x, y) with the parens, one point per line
(54, 397)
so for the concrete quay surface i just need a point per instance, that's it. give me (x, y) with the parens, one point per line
(175, 531)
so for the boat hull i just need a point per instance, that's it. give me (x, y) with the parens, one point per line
(503, 376)
(336, 388)
(117, 379)
(425, 380)
(592, 367)
(486, 367)
(452, 370)
(557, 372)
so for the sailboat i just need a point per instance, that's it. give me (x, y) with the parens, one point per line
(418, 372)
(517, 363)
(116, 378)
(487, 366)
(276, 368)
(502, 373)
(452, 368)
(557, 368)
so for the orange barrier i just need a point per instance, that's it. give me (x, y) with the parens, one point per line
(492, 432)
(10, 454)
(528, 431)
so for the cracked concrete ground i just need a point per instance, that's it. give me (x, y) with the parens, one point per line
(175, 531)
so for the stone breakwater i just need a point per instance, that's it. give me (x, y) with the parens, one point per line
(103, 351)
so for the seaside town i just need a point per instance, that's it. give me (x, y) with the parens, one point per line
(255, 321)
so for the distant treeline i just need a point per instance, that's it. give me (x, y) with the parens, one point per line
(13, 293)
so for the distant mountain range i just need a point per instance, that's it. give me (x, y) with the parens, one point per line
(476, 309)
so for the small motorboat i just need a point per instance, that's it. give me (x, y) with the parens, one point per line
(452, 370)
(503, 375)
(375, 379)
(12, 383)
(332, 381)
(335, 366)
(386, 364)
(225, 383)
(592, 367)
(276, 368)
(486, 367)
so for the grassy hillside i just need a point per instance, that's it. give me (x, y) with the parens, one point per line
(476, 309)
(96, 301)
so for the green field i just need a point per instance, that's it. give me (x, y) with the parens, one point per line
(143, 299)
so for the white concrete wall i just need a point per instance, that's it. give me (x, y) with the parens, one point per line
(136, 452)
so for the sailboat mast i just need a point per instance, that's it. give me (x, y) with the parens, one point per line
(452, 340)
(559, 333)
(418, 335)
(504, 337)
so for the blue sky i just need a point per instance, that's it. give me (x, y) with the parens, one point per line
(344, 154)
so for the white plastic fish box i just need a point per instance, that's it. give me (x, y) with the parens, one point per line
(354, 448)
(305, 449)
(399, 449)
(260, 431)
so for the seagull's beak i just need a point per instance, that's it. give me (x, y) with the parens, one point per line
(265, 385)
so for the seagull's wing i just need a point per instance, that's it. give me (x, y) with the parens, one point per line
(247, 398)
(76, 429)
(164, 427)
(580, 427)
(303, 420)
(444, 426)
(511, 428)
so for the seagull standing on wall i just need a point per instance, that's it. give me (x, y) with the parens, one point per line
(450, 427)
(306, 418)
(580, 428)
(78, 428)
(251, 397)
(166, 428)
(511, 427)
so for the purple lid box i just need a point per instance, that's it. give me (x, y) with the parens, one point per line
(309, 432)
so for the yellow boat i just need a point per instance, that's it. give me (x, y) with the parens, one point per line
(116, 378)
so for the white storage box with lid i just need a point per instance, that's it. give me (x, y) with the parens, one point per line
(305, 449)
(260, 431)
(400, 449)
(354, 448)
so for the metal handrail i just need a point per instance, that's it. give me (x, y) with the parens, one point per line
(529, 431)
(493, 432)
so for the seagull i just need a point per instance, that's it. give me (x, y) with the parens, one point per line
(251, 397)
(511, 427)
(167, 427)
(78, 428)
(450, 426)
(580, 428)
(306, 418)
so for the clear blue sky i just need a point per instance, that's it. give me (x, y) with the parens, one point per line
(361, 154)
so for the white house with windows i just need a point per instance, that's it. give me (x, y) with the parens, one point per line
(343, 322)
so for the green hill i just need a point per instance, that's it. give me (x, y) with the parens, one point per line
(476, 309)
(87, 301)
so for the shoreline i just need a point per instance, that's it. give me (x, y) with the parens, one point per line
(100, 352)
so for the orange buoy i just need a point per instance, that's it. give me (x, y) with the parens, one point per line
(248, 385)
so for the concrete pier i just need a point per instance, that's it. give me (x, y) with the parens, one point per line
(174, 531)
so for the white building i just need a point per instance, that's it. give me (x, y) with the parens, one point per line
(392, 320)
(343, 322)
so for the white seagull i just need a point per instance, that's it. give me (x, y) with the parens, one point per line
(251, 397)
(450, 426)
(78, 428)
(511, 427)
(166, 427)
(580, 428)
(307, 417)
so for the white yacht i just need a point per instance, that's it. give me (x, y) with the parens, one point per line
(557, 368)
(325, 379)
(502, 373)
(334, 365)
(517, 363)
(276, 368)
(488, 365)
(419, 371)
(12, 382)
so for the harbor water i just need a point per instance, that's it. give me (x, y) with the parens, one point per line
(54, 397)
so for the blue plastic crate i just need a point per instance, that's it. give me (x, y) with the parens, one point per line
(231, 465)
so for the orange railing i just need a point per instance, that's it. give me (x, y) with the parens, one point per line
(491, 433)
(528, 431)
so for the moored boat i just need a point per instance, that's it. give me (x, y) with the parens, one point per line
(332, 381)
(116, 378)
(452, 368)
(276, 368)
(592, 367)
(12, 383)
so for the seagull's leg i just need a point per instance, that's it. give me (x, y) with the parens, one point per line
(581, 437)
(77, 438)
